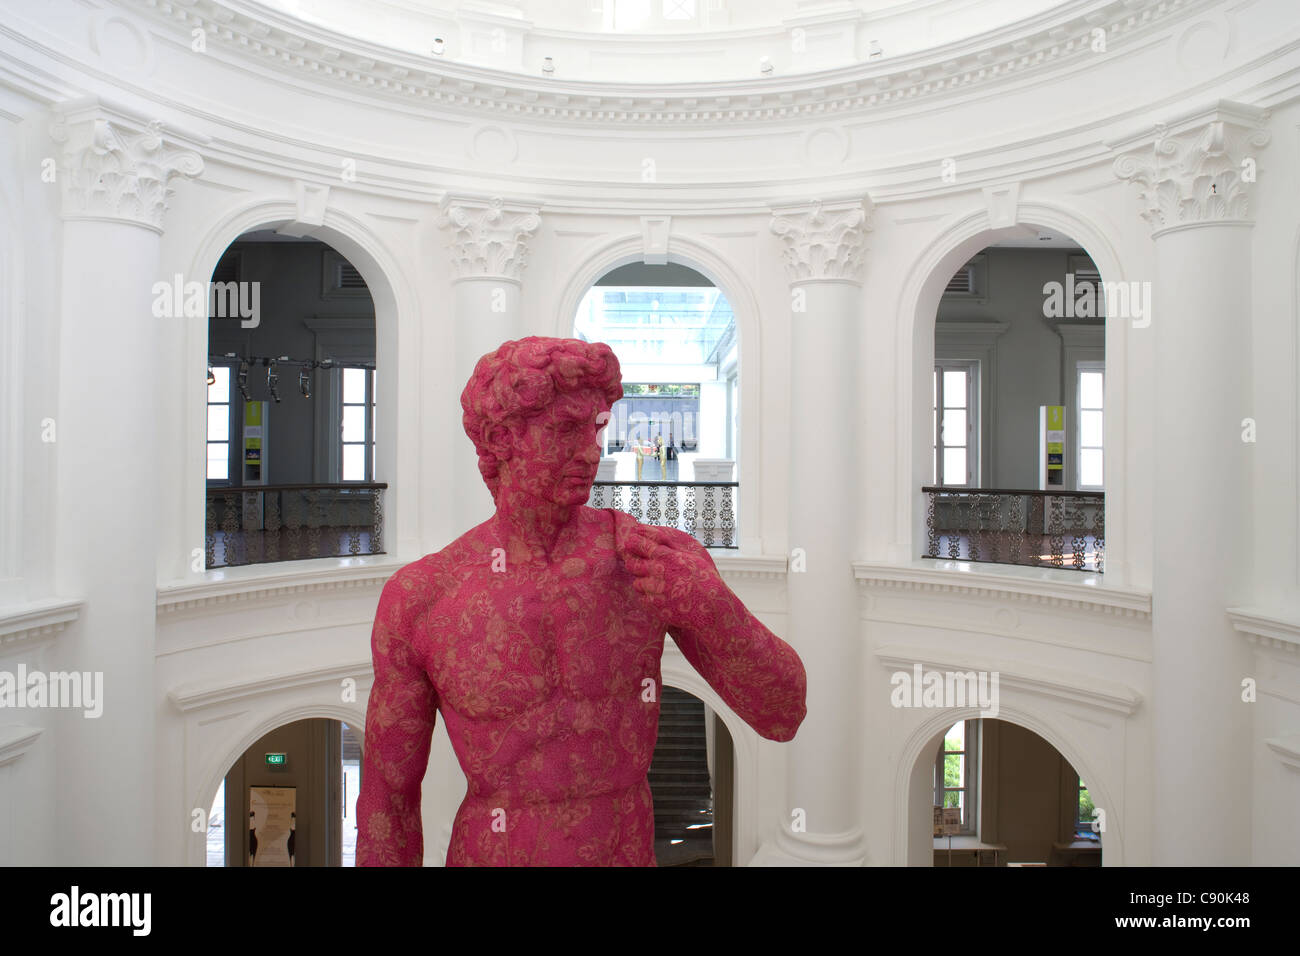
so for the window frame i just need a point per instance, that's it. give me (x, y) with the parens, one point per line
(970, 807)
(1082, 366)
(230, 368)
(972, 369)
(369, 420)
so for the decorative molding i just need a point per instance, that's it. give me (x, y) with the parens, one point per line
(1026, 585)
(759, 567)
(981, 335)
(1265, 630)
(117, 167)
(1003, 204)
(36, 621)
(823, 240)
(195, 696)
(1286, 749)
(16, 741)
(654, 235)
(1031, 678)
(1193, 172)
(490, 236)
(1012, 54)
(247, 589)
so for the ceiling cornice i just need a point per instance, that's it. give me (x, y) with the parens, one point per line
(1059, 38)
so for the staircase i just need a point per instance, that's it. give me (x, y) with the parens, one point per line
(679, 779)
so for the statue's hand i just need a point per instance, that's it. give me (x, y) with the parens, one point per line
(672, 570)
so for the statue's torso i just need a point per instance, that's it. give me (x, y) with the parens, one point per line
(548, 681)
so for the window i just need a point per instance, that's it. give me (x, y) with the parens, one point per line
(1089, 391)
(1083, 817)
(955, 772)
(219, 424)
(955, 411)
(357, 428)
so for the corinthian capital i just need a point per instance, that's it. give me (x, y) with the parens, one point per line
(489, 237)
(118, 168)
(1199, 171)
(823, 240)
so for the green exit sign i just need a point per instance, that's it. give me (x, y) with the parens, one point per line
(277, 760)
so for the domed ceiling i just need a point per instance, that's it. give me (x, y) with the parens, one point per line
(664, 41)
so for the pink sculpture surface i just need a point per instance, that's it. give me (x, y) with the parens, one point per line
(538, 635)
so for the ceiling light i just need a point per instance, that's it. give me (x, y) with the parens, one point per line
(438, 46)
(548, 66)
(765, 65)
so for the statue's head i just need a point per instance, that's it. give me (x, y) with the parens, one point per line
(534, 409)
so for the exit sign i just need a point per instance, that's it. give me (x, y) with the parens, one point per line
(277, 760)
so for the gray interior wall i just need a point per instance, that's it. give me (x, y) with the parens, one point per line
(291, 276)
(1028, 357)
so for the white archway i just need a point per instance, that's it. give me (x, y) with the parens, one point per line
(397, 351)
(956, 240)
(255, 726)
(682, 250)
(917, 744)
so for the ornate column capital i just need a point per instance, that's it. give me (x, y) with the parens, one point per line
(489, 236)
(823, 240)
(1198, 170)
(117, 167)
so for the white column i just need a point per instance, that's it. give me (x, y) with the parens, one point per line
(488, 252)
(823, 248)
(1195, 199)
(713, 423)
(116, 173)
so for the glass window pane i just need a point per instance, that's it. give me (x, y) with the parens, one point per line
(354, 423)
(218, 423)
(354, 385)
(934, 401)
(1090, 428)
(934, 476)
(219, 391)
(955, 738)
(218, 467)
(954, 388)
(354, 463)
(1090, 389)
(954, 427)
(954, 466)
(1090, 470)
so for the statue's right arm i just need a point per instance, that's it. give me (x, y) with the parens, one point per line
(399, 728)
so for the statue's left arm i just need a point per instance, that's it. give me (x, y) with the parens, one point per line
(758, 675)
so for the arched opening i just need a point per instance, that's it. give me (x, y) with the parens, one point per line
(1013, 404)
(285, 800)
(692, 782)
(673, 442)
(291, 418)
(1002, 795)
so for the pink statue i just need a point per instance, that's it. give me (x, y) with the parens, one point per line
(539, 633)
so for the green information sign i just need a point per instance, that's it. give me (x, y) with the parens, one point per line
(277, 760)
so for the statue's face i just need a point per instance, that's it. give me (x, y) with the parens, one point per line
(556, 452)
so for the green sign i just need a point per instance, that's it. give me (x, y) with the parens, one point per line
(277, 760)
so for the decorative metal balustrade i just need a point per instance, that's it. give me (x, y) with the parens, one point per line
(1047, 529)
(258, 524)
(704, 509)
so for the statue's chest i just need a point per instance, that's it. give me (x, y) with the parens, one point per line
(501, 642)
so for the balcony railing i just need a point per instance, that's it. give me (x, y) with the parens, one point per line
(704, 509)
(257, 524)
(1045, 529)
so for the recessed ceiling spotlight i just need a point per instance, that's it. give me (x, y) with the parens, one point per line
(765, 65)
(438, 46)
(876, 50)
(548, 65)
